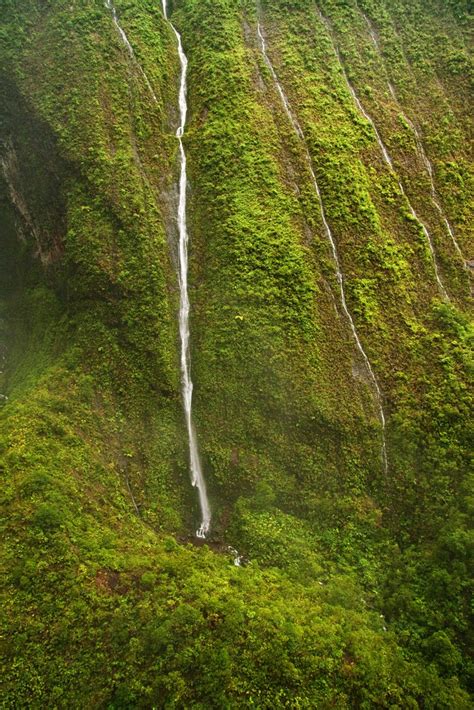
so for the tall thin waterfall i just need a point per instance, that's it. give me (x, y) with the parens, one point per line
(197, 476)
(340, 278)
(109, 5)
(387, 158)
(420, 147)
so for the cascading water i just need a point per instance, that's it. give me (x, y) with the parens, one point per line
(340, 278)
(197, 476)
(420, 148)
(109, 5)
(236, 556)
(387, 158)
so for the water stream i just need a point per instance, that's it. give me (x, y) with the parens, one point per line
(387, 158)
(236, 556)
(197, 476)
(340, 278)
(109, 5)
(420, 147)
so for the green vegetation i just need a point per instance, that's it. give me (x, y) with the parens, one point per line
(354, 592)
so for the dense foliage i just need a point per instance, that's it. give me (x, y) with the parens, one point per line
(355, 587)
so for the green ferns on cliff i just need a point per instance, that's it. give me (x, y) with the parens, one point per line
(355, 587)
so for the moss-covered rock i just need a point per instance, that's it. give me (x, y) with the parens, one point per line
(354, 581)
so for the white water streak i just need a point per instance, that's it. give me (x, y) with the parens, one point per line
(340, 279)
(237, 558)
(420, 147)
(197, 476)
(387, 158)
(109, 5)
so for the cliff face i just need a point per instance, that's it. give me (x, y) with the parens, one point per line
(330, 206)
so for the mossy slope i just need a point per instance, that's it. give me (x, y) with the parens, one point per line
(105, 604)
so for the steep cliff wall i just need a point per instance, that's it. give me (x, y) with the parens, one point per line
(355, 587)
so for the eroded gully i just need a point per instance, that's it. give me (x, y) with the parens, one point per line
(337, 264)
(388, 160)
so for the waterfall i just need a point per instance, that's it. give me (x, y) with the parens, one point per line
(109, 5)
(340, 278)
(387, 158)
(420, 148)
(197, 476)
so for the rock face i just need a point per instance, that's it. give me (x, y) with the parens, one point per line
(329, 211)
